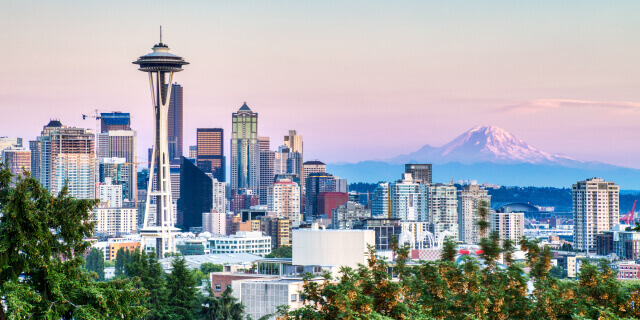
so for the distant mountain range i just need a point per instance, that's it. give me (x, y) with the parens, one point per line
(490, 154)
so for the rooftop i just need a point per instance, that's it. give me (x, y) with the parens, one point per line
(195, 261)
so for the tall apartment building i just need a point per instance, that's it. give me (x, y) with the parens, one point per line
(468, 204)
(112, 221)
(310, 167)
(121, 144)
(210, 152)
(17, 159)
(595, 210)
(214, 223)
(175, 119)
(67, 154)
(509, 225)
(219, 191)
(407, 200)
(380, 202)
(420, 172)
(245, 150)
(284, 201)
(117, 171)
(109, 193)
(442, 209)
(36, 147)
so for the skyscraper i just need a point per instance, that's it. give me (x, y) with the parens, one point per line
(442, 209)
(160, 66)
(175, 116)
(264, 143)
(595, 209)
(67, 154)
(317, 183)
(421, 173)
(310, 167)
(245, 150)
(468, 217)
(196, 194)
(117, 140)
(36, 147)
(267, 159)
(210, 152)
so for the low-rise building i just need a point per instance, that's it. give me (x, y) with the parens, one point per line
(344, 216)
(625, 244)
(629, 271)
(331, 247)
(254, 242)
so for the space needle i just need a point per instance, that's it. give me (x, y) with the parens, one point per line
(159, 213)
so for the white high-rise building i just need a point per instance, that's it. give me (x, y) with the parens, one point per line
(219, 199)
(76, 171)
(442, 209)
(595, 209)
(407, 201)
(509, 225)
(468, 204)
(114, 221)
(110, 193)
(284, 200)
(214, 223)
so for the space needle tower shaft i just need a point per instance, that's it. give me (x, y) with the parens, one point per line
(159, 213)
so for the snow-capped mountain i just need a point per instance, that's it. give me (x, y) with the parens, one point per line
(483, 144)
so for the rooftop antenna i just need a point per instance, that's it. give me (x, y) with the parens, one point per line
(160, 34)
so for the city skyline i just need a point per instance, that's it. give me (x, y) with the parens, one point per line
(540, 71)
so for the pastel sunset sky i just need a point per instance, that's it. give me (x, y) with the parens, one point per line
(358, 79)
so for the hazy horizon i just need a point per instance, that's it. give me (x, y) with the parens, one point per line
(358, 80)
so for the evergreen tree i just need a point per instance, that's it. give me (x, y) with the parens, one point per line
(95, 263)
(122, 258)
(209, 267)
(226, 307)
(41, 256)
(181, 284)
(147, 268)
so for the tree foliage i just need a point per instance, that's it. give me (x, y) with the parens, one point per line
(41, 256)
(95, 263)
(226, 307)
(281, 252)
(209, 267)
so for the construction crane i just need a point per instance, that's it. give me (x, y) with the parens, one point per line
(630, 216)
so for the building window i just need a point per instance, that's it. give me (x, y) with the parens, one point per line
(294, 297)
(218, 287)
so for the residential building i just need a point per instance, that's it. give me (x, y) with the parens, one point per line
(629, 270)
(210, 152)
(380, 202)
(385, 230)
(469, 200)
(243, 199)
(117, 171)
(219, 198)
(293, 141)
(595, 210)
(509, 225)
(67, 154)
(442, 209)
(17, 160)
(345, 215)
(242, 242)
(625, 244)
(36, 148)
(421, 173)
(407, 200)
(284, 201)
(109, 193)
(214, 223)
(112, 221)
(245, 150)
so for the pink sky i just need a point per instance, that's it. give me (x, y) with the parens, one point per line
(363, 80)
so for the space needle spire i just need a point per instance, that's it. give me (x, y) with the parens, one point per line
(159, 223)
